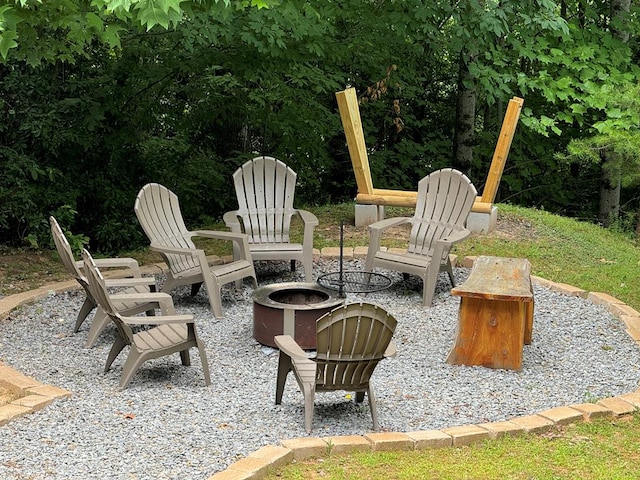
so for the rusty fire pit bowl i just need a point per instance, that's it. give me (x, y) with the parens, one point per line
(291, 308)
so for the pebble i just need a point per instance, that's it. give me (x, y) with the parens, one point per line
(168, 425)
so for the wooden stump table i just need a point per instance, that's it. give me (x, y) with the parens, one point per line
(496, 314)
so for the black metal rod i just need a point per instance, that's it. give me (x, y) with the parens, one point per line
(341, 281)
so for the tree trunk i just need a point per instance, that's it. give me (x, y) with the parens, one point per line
(464, 136)
(609, 194)
(610, 178)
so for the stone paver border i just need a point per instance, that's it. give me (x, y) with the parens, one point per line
(256, 465)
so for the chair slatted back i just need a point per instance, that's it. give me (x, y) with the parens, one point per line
(351, 340)
(98, 289)
(445, 198)
(265, 189)
(159, 214)
(66, 254)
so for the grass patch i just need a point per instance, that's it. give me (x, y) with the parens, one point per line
(604, 448)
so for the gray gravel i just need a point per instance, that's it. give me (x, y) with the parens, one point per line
(167, 424)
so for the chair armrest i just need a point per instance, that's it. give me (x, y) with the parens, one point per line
(159, 320)
(389, 222)
(131, 266)
(175, 250)
(375, 236)
(288, 346)
(131, 282)
(443, 245)
(219, 235)
(307, 217)
(391, 350)
(232, 221)
(163, 301)
(241, 240)
(455, 237)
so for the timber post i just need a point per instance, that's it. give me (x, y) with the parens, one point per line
(369, 195)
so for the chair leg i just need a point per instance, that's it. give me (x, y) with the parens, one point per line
(195, 288)
(100, 320)
(116, 348)
(284, 367)
(293, 266)
(374, 408)
(134, 360)
(203, 360)
(85, 310)
(359, 397)
(308, 269)
(429, 282)
(308, 390)
(213, 290)
(185, 358)
(449, 269)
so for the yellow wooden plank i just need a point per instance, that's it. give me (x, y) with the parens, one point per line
(501, 152)
(352, 124)
(405, 199)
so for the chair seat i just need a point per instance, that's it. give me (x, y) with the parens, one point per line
(161, 337)
(275, 248)
(408, 259)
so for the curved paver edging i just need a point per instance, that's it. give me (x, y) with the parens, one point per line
(268, 458)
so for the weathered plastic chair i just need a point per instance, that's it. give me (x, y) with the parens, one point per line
(136, 292)
(158, 211)
(351, 340)
(171, 334)
(265, 189)
(445, 198)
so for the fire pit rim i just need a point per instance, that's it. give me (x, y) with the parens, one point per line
(261, 295)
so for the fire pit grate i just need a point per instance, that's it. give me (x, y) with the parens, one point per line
(353, 281)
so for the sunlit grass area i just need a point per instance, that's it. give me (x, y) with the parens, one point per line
(602, 449)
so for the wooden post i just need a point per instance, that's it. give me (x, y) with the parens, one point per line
(369, 195)
(352, 124)
(502, 149)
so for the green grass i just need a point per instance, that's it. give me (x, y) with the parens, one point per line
(602, 449)
(567, 251)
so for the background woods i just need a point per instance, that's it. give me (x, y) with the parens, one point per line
(98, 98)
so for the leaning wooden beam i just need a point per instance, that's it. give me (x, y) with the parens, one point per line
(368, 195)
(503, 145)
(352, 124)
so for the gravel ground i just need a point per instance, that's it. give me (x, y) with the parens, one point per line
(167, 424)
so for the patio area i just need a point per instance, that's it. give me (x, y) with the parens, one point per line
(167, 424)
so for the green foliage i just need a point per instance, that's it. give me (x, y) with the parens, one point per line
(121, 93)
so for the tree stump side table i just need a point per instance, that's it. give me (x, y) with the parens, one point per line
(496, 314)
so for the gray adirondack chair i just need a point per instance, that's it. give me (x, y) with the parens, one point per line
(351, 341)
(445, 198)
(136, 293)
(265, 189)
(158, 211)
(171, 334)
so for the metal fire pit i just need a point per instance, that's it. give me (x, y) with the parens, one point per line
(290, 308)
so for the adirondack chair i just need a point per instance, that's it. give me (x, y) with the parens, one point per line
(172, 333)
(445, 198)
(265, 189)
(351, 340)
(158, 211)
(138, 295)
